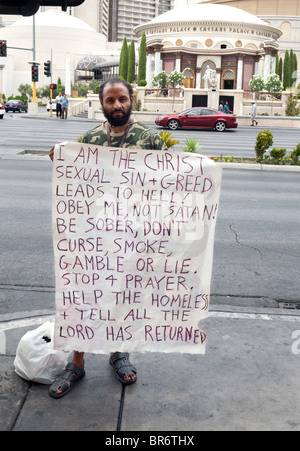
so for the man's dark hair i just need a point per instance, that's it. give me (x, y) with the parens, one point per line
(114, 81)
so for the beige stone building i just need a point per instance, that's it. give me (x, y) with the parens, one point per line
(216, 47)
(282, 14)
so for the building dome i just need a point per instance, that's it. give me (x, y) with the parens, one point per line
(54, 19)
(206, 13)
(59, 37)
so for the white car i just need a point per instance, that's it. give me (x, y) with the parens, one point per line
(53, 105)
(2, 111)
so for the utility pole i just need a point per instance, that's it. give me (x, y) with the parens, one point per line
(34, 59)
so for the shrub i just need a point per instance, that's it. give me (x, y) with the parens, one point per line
(191, 145)
(277, 155)
(291, 106)
(142, 83)
(168, 138)
(295, 155)
(263, 141)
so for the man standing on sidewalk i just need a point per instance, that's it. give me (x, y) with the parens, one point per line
(64, 106)
(119, 130)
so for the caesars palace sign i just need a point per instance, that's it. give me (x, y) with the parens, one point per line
(209, 29)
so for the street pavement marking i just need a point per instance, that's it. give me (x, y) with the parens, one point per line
(27, 322)
(2, 343)
(263, 316)
(35, 321)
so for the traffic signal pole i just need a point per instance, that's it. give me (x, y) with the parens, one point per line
(51, 91)
(34, 92)
(34, 59)
(51, 97)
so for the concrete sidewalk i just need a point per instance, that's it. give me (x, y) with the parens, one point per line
(247, 381)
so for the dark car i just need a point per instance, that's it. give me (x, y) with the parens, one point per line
(198, 118)
(16, 105)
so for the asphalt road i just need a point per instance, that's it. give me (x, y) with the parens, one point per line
(19, 132)
(256, 247)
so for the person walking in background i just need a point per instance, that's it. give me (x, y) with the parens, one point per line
(253, 114)
(226, 109)
(221, 106)
(58, 104)
(65, 105)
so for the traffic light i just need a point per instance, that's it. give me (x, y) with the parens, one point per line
(30, 7)
(34, 73)
(47, 68)
(53, 86)
(63, 3)
(3, 48)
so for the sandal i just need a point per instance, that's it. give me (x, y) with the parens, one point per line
(123, 367)
(66, 380)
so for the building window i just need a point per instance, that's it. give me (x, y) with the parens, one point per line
(286, 30)
(228, 79)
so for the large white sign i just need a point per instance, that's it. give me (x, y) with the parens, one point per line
(133, 238)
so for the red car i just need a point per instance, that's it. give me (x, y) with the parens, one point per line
(198, 118)
(2, 111)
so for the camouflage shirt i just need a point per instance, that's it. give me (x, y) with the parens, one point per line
(139, 136)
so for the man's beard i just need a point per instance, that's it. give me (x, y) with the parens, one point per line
(117, 121)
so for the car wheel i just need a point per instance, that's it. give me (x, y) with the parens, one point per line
(1, 116)
(220, 126)
(173, 124)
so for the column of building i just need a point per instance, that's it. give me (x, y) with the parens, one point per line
(239, 80)
(153, 59)
(270, 59)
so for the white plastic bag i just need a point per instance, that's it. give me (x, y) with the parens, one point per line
(36, 359)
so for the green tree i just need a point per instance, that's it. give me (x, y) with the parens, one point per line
(123, 65)
(280, 68)
(42, 92)
(160, 80)
(291, 106)
(286, 70)
(293, 67)
(25, 91)
(257, 84)
(273, 83)
(175, 80)
(94, 86)
(142, 62)
(131, 63)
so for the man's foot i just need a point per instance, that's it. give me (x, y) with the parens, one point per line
(125, 371)
(65, 382)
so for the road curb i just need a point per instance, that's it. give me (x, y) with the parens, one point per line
(43, 156)
(259, 167)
